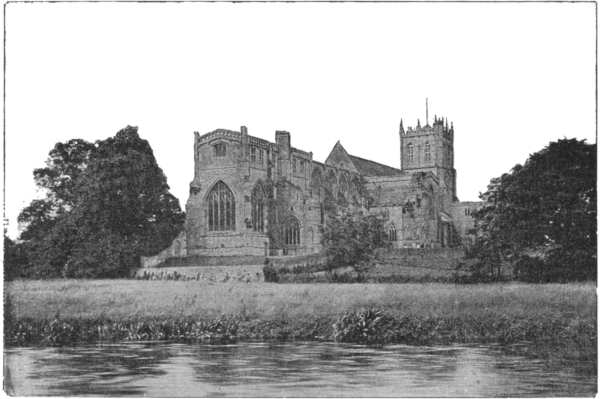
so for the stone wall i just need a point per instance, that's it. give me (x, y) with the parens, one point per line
(204, 260)
(411, 203)
(290, 262)
(240, 175)
(462, 216)
(214, 274)
(178, 248)
(432, 258)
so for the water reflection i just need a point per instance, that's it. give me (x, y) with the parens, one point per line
(289, 369)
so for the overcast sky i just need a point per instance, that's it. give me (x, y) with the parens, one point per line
(512, 77)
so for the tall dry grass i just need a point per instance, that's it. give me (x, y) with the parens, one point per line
(125, 299)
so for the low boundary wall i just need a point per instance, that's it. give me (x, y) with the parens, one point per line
(211, 274)
(429, 258)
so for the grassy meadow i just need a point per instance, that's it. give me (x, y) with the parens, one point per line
(558, 316)
(121, 299)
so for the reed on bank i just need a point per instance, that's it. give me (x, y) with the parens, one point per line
(70, 311)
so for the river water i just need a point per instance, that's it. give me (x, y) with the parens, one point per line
(289, 369)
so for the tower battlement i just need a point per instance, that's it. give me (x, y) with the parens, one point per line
(440, 127)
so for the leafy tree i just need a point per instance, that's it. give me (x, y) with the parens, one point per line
(543, 210)
(107, 203)
(66, 162)
(350, 238)
(15, 261)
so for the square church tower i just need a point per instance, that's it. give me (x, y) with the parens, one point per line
(430, 149)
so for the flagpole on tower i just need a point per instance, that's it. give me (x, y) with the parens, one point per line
(426, 111)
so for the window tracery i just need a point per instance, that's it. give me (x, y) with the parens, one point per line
(257, 202)
(292, 232)
(221, 208)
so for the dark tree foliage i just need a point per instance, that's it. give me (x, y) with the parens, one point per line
(541, 217)
(66, 162)
(15, 261)
(351, 237)
(107, 203)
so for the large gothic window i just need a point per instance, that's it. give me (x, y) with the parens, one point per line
(221, 208)
(258, 208)
(292, 232)
(410, 152)
(427, 152)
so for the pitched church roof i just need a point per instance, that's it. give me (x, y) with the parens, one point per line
(372, 168)
(339, 157)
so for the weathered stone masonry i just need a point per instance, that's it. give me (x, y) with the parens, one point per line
(250, 196)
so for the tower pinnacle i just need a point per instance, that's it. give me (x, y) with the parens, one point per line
(426, 111)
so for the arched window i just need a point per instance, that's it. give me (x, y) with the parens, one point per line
(258, 208)
(343, 184)
(392, 233)
(316, 181)
(427, 152)
(331, 179)
(292, 232)
(221, 208)
(410, 154)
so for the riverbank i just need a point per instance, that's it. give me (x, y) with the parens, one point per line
(59, 312)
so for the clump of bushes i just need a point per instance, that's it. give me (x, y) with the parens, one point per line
(370, 326)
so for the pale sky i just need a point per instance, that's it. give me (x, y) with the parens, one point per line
(512, 77)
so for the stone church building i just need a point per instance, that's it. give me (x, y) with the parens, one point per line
(250, 196)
